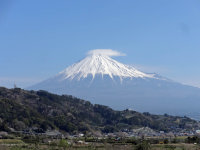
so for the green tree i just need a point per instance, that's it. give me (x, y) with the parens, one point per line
(144, 145)
(63, 143)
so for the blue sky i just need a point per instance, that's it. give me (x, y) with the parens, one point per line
(38, 38)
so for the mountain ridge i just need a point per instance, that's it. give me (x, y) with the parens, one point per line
(120, 86)
(39, 111)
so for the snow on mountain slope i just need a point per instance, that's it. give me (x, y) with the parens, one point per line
(99, 62)
(98, 78)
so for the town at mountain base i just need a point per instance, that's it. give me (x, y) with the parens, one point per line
(40, 112)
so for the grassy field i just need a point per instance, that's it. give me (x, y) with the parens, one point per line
(13, 144)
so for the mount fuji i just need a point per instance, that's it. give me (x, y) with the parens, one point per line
(103, 80)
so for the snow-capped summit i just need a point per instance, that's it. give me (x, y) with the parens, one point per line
(98, 78)
(100, 62)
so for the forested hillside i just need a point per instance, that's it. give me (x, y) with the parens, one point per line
(22, 110)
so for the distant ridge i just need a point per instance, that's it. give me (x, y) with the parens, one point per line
(40, 111)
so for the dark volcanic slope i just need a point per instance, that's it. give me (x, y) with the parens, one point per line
(24, 110)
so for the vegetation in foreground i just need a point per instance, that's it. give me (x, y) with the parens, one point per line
(89, 143)
(38, 120)
(40, 111)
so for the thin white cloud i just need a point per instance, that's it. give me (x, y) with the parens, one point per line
(192, 81)
(105, 52)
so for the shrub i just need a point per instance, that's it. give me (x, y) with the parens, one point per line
(143, 146)
(63, 143)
